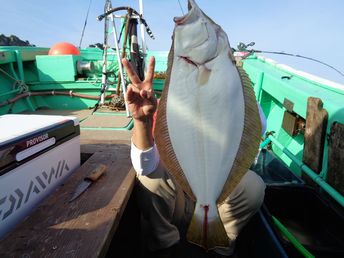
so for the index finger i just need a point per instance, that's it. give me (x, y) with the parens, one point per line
(130, 71)
(150, 70)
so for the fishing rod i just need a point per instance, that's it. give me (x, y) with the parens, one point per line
(243, 47)
(85, 23)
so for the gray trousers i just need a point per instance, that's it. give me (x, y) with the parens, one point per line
(167, 211)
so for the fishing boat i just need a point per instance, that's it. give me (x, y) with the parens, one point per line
(63, 116)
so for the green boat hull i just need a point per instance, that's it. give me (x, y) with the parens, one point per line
(31, 80)
(30, 69)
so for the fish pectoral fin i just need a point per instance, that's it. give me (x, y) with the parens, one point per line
(207, 234)
(203, 75)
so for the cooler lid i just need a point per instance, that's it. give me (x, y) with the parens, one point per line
(22, 137)
(16, 125)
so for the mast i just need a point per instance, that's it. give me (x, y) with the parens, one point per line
(137, 58)
(142, 27)
(107, 7)
(104, 85)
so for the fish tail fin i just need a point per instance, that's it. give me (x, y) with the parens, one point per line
(207, 233)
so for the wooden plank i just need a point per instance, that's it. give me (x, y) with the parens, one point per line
(103, 121)
(104, 137)
(316, 123)
(84, 227)
(92, 147)
(80, 114)
(335, 172)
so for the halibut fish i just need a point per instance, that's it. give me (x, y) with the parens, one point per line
(208, 126)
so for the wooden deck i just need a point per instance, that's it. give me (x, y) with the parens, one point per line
(84, 227)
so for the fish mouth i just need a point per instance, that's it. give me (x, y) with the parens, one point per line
(183, 19)
(189, 61)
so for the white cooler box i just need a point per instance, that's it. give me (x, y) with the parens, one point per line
(37, 153)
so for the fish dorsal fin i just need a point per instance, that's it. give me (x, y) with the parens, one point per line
(250, 139)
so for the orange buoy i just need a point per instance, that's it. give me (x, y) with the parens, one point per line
(63, 48)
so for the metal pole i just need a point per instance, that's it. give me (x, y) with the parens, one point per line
(142, 27)
(292, 239)
(258, 88)
(104, 70)
(120, 65)
(124, 46)
(316, 178)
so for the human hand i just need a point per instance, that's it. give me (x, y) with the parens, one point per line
(140, 94)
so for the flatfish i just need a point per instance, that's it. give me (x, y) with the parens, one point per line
(208, 126)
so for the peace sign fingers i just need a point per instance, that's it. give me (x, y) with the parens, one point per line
(131, 73)
(150, 71)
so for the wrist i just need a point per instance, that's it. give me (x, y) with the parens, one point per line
(143, 121)
(142, 133)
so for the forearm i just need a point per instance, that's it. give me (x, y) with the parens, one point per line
(144, 154)
(142, 136)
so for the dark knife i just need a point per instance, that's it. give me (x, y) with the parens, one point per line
(88, 180)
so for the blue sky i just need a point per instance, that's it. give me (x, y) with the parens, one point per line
(313, 28)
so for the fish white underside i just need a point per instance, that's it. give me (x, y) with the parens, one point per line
(205, 124)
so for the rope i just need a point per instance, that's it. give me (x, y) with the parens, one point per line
(6, 73)
(51, 93)
(83, 29)
(21, 85)
(181, 8)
